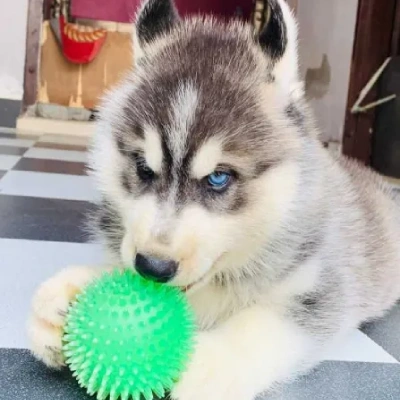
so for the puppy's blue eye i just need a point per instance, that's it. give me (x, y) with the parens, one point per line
(219, 180)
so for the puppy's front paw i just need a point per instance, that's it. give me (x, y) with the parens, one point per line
(213, 373)
(49, 309)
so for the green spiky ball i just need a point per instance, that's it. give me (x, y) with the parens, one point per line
(126, 337)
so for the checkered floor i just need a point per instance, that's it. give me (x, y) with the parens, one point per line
(44, 194)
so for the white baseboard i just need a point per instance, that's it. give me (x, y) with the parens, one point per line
(34, 125)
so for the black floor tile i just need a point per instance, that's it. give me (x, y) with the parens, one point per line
(8, 135)
(24, 378)
(43, 219)
(51, 166)
(13, 150)
(339, 380)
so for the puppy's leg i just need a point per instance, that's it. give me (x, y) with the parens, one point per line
(244, 357)
(49, 308)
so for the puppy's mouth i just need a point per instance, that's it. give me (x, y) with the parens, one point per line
(188, 288)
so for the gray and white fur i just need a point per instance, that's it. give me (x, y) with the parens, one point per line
(293, 252)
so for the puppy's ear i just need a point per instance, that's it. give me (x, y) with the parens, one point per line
(155, 18)
(278, 39)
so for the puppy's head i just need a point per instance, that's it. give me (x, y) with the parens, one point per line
(195, 150)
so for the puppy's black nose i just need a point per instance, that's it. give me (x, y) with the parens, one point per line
(155, 269)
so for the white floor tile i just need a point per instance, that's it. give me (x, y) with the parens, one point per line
(16, 142)
(55, 186)
(24, 266)
(7, 162)
(359, 347)
(53, 154)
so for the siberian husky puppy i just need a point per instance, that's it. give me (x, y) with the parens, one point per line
(213, 179)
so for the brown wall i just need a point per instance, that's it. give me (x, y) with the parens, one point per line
(61, 82)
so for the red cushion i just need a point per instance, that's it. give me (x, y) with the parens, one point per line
(124, 10)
